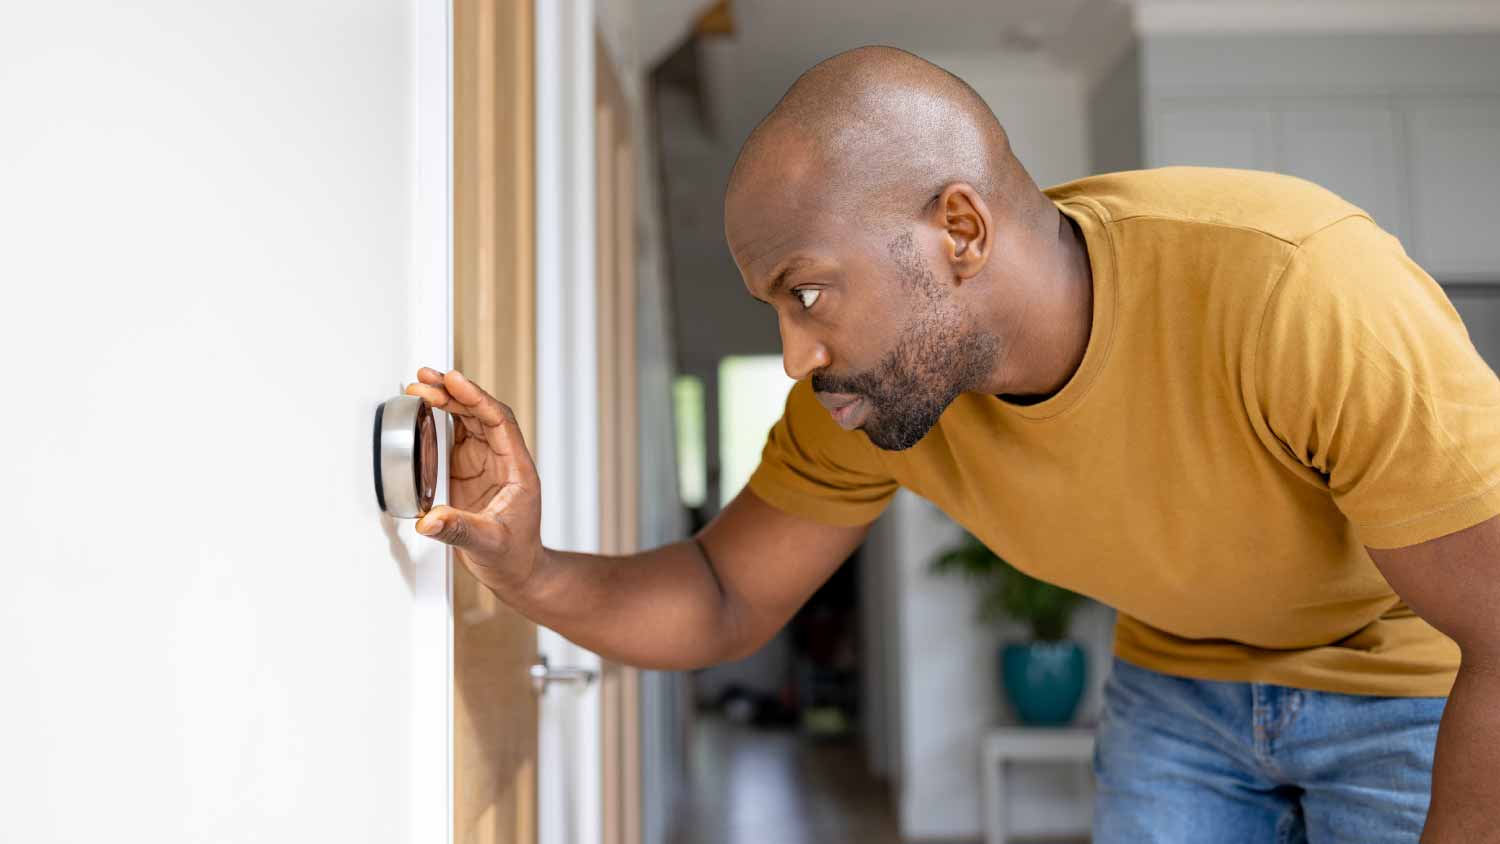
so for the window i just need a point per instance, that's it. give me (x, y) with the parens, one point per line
(752, 395)
(692, 447)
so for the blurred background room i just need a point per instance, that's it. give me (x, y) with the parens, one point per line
(867, 718)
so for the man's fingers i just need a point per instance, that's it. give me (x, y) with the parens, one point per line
(470, 399)
(483, 405)
(434, 396)
(500, 429)
(454, 392)
(432, 388)
(461, 529)
(438, 397)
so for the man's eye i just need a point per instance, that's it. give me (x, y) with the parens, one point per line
(807, 296)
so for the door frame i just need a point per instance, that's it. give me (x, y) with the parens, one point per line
(619, 442)
(569, 759)
(539, 295)
(589, 757)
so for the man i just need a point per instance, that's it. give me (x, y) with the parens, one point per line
(1225, 403)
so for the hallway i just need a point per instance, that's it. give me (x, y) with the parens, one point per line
(753, 786)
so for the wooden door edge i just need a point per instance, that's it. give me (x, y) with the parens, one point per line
(494, 748)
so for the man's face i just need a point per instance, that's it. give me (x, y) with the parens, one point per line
(865, 315)
(932, 358)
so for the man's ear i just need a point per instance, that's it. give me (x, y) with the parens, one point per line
(968, 229)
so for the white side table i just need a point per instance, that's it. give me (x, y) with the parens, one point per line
(1004, 745)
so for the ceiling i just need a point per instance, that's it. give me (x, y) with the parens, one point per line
(776, 40)
(810, 25)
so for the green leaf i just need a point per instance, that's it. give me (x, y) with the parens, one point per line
(1008, 592)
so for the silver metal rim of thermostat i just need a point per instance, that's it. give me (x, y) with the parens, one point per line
(398, 457)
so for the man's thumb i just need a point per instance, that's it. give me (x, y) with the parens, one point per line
(456, 528)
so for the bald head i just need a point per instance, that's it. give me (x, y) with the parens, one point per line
(881, 131)
(880, 212)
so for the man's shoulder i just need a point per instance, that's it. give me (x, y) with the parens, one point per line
(1284, 207)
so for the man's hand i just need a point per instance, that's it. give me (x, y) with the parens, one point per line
(496, 521)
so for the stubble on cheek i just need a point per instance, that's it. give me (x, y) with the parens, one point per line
(936, 357)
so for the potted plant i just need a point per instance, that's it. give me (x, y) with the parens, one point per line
(1044, 677)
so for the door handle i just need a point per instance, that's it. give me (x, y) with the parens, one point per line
(543, 675)
(406, 457)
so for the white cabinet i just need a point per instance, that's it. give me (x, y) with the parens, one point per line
(1403, 123)
(1455, 187)
(1352, 151)
(1426, 168)
(1212, 136)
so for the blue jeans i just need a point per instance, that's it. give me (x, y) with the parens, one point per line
(1200, 762)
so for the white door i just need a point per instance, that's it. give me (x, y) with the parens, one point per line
(569, 794)
(222, 244)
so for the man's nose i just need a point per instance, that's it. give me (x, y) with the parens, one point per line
(801, 353)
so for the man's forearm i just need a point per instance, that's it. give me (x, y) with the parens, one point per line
(1466, 770)
(663, 609)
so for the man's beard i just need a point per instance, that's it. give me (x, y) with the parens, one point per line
(936, 358)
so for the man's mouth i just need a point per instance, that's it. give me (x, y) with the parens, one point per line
(848, 411)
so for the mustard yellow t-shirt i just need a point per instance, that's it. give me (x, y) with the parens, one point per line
(1270, 385)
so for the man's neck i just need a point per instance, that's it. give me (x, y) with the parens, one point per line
(1049, 343)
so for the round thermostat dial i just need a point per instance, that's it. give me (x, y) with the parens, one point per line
(406, 457)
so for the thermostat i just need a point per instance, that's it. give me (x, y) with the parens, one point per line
(406, 457)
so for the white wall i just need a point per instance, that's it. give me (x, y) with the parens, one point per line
(1403, 125)
(1042, 106)
(211, 264)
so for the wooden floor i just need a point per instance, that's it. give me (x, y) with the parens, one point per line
(761, 786)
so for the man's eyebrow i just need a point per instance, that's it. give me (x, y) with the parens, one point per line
(786, 269)
(783, 271)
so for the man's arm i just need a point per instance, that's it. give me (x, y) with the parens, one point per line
(716, 597)
(1454, 583)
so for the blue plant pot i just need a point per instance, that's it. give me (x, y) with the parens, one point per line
(1044, 680)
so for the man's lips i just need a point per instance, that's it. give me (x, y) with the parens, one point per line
(848, 410)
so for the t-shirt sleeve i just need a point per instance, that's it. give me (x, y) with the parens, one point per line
(1364, 374)
(813, 468)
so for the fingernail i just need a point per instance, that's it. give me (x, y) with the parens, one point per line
(430, 527)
